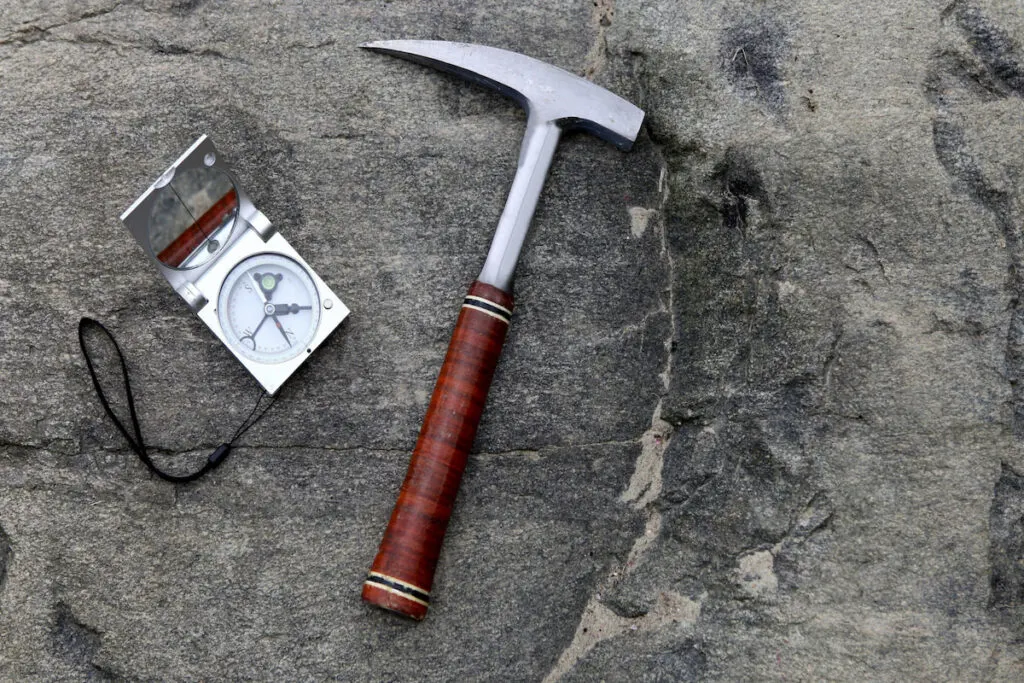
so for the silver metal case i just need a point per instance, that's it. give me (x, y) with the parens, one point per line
(251, 234)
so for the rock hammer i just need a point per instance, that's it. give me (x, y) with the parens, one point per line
(555, 100)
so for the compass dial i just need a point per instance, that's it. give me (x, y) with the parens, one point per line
(269, 308)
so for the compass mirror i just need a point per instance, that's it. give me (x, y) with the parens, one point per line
(193, 215)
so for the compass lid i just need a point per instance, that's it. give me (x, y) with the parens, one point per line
(191, 213)
(188, 215)
(192, 216)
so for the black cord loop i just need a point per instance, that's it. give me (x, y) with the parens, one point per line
(135, 441)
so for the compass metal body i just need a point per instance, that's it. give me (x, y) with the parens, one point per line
(232, 268)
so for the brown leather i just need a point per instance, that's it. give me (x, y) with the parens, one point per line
(403, 571)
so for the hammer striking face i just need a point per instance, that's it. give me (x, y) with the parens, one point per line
(555, 100)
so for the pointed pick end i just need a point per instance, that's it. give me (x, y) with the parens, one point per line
(388, 45)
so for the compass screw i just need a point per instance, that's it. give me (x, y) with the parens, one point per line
(328, 303)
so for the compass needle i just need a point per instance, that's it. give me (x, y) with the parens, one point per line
(280, 328)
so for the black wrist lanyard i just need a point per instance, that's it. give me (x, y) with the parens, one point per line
(136, 442)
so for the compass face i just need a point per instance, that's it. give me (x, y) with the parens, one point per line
(269, 308)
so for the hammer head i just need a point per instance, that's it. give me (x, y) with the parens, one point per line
(548, 93)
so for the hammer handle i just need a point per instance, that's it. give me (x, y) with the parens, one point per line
(403, 571)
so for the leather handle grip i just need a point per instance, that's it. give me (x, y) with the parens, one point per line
(403, 571)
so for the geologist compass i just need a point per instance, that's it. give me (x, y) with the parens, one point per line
(233, 269)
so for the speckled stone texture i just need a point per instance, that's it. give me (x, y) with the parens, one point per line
(761, 409)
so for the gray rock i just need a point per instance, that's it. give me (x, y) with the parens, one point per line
(758, 417)
(650, 658)
(1007, 547)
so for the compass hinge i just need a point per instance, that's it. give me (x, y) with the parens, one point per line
(192, 296)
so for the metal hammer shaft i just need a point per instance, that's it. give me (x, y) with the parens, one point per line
(535, 158)
(403, 571)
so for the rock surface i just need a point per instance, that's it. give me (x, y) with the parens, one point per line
(759, 416)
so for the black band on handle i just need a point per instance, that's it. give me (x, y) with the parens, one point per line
(135, 441)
